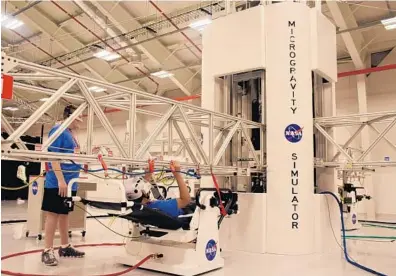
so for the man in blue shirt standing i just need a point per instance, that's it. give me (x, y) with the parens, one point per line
(55, 191)
(172, 207)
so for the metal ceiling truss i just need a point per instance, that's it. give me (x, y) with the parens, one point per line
(146, 31)
(177, 115)
(362, 121)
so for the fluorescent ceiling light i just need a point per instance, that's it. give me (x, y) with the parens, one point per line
(106, 55)
(200, 24)
(162, 74)
(389, 23)
(390, 27)
(96, 89)
(10, 108)
(11, 23)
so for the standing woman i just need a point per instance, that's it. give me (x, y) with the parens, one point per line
(55, 191)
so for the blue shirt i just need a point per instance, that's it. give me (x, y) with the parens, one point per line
(167, 206)
(65, 143)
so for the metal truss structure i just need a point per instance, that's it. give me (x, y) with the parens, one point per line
(360, 121)
(221, 127)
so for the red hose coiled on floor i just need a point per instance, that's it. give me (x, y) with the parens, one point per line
(6, 272)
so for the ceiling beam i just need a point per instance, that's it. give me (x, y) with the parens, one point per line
(48, 27)
(154, 49)
(354, 42)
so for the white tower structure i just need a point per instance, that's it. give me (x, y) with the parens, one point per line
(289, 43)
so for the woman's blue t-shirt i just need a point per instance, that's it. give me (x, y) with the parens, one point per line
(65, 143)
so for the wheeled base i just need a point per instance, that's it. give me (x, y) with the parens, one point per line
(178, 258)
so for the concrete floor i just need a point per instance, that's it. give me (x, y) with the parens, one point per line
(380, 256)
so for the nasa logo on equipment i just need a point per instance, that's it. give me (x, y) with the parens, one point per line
(293, 133)
(354, 218)
(211, 250)
(34, 188)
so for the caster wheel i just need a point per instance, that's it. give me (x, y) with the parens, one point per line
(40, 237)
(83, 233)
(27, 234)
(70, 235)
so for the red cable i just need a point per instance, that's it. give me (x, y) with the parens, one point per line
(222, 210)
(6, 272)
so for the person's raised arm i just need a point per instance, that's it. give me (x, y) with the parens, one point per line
(184, 198)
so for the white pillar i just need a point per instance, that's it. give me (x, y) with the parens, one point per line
(369, 205)
(290, 197)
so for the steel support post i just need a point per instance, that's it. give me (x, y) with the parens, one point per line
(357, 132)
(153, 135)
(132, 126)
(90, 128)
(170, 137)
(263, 144)
(185, 142)
(384, 132)
(102, 117)
(7, 126)
(385, 138)
(226, 142)
(63, 126)
(331, 140)
(194, 137)
(41, 110)
(211, 142)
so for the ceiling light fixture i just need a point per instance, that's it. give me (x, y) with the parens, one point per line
(200, 24)
(106, 55)
(162, 74)
(10, 23)
(96, 89)
(389, 23)
(10, 108)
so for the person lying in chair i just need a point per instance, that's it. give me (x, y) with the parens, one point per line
(135, 191)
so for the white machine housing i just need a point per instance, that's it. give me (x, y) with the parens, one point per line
(288, 41)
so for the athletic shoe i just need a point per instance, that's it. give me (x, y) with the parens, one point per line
(48, 258)
(69, 251)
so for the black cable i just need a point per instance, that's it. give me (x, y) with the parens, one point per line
(24, 220)
(353, 239)
(347, 257)
(121, 235)
(376, 221)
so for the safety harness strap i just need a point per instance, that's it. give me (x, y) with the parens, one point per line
(222, 209)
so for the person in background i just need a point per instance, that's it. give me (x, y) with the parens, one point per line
(55, 190)
(173, 207)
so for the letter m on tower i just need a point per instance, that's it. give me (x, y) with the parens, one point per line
(292, 23)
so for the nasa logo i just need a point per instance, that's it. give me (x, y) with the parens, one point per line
(293, 133)
(211, 250)
(34, 188)
(354, 218)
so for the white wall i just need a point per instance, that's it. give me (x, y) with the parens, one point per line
(381, 90)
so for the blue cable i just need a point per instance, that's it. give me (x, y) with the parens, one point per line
(344, 240)
(189, 172)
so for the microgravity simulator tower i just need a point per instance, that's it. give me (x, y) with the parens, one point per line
(288, 49)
